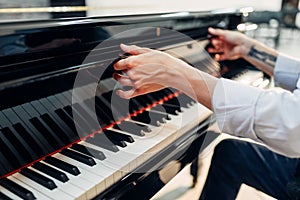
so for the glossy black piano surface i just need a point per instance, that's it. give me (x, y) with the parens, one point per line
(115, 151)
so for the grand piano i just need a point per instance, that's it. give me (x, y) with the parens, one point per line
(64, 134)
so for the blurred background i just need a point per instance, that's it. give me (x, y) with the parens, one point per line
(269, 21)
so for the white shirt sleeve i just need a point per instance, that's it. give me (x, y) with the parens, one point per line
(271, 117)
(287, 72)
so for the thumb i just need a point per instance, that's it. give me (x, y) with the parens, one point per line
(133, 49)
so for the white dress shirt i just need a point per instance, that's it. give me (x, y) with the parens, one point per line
(271, 117)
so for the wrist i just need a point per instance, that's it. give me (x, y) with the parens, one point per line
(247, 45)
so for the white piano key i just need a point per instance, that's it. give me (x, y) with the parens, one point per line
(68, 188)
(87, 172)
(9, 193)
(110, 166)
(80, 182)
(51, 194)
(114, 160)
(37, 194)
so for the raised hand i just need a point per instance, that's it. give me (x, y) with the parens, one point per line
(146, 70)
(229, 45)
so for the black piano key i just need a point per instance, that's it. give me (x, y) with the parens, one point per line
(24, 117)
(115, 113)
(141, 101)
(5, 167)
(102, 141)
(4, 197)
(21, 146)
(83, 125)
(10, 153)
(50, 110)
(67, 119)
(183, 100)
(152, 97)
(82, 109)
(30, 140)
(134, 106)
(4, 121)
(117, 103)
(119, 143)
(86, 113)
(88, 151)
(102, 118)
(118, 136)
(47, 118)
(39, 178)
(24, 139)
(152, 118)
(63, 165)
(17, 189)
(177, 107)
(159, 117)
(108, 110)
(144, 118)
(167, 92)
(79, 157)
(47, 133)
(61, 176)
(68, 125)
(168, 108)
(132, 128)
(64, 137)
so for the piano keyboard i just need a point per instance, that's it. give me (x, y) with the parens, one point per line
(58, 143)
(71, 168)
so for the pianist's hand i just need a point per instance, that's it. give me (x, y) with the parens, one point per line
(150, 70)
(147, 71)
(229, 45)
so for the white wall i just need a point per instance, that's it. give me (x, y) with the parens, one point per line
(117, 7)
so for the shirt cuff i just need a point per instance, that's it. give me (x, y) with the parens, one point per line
(287, 72)
(234, 107)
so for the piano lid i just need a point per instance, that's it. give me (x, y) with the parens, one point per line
(26, 44)
(16, 10)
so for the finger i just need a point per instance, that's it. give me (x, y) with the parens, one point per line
(220, 57)
(213, 50)
(133, 49)
(116, 76)
(216, 32)
(126, 94)
(123, 80)
(123, 64)
(216, 43)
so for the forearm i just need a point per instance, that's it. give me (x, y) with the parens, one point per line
(261, 56)
(196, 84)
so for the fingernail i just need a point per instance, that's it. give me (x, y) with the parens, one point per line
(124, 46)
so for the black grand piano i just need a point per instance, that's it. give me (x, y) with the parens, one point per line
(64, 134)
